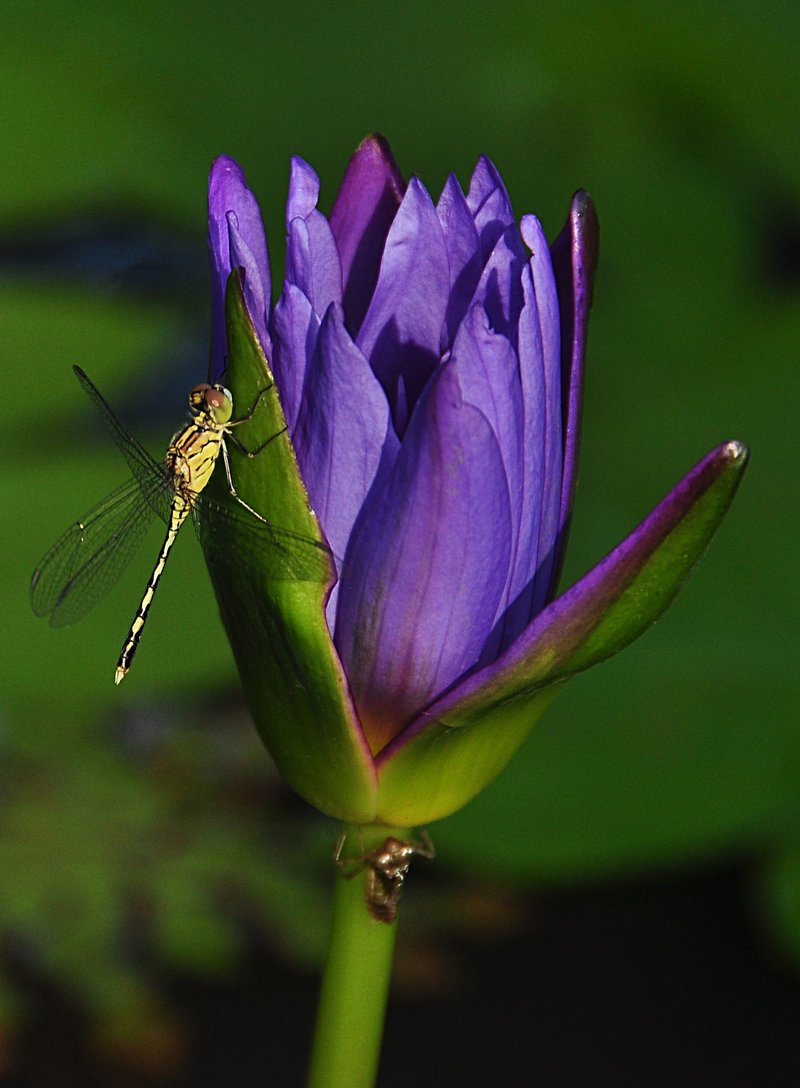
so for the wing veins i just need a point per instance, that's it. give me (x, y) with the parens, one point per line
(83, 565)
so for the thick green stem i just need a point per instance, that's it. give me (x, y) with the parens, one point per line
(355, 984)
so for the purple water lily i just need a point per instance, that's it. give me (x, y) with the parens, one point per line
(429, 361)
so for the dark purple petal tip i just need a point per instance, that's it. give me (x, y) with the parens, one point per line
(575, 253)
(369, 196)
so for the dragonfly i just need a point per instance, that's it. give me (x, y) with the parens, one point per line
(83, 565)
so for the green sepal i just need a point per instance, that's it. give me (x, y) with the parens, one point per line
(448, 762)
(272, 594)
(467, 737)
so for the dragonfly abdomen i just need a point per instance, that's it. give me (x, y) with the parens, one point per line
(190, 461)
(180, 510)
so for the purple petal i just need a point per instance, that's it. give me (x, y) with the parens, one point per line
(540, 364)
(488, 374)
(402, 329)
(427, 563)
(365, 207)
(343, 433)
(294, 335)
(253, 285)
(303, 193)
(574, 255)
(312, 260)
(489, 203)
(463, 252)
(499, 290)
(228, 192)
(530, 496)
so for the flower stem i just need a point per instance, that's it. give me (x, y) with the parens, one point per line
(355, 983)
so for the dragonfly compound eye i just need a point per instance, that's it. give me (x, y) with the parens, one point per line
(219, 403)
(197, 397)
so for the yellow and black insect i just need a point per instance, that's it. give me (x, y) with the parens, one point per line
(80, 569)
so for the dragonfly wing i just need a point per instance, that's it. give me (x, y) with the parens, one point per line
(280, 553)
(81, 567)
(144, 467)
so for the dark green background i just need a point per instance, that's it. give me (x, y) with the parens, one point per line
(682, 122)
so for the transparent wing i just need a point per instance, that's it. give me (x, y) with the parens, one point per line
(81, 567)
(259, 545)
(142, 465)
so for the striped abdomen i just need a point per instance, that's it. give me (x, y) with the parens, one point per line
(191, 458)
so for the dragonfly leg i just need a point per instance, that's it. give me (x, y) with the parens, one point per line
(252, 453)
(245, 419)
(256, 402)
(234, 493)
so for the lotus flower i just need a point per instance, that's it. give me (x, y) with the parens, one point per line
(427, 360)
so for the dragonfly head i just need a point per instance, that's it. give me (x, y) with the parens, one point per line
(212, 401)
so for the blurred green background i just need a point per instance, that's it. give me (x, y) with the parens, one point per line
(150, 809)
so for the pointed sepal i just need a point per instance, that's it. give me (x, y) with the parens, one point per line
(272, 582)
(453, 750)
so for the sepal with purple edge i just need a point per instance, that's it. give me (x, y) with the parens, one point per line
(451, 752)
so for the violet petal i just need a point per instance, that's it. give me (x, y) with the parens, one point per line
(402, 328)
(294, 328)
(499, 289)
(253, 286)
(427, 563)
(540, 364)
(312, 259)
(343, 433)
(365, 206)
(488, 374)
(463, 252)
(228, 192)
(489, 203)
